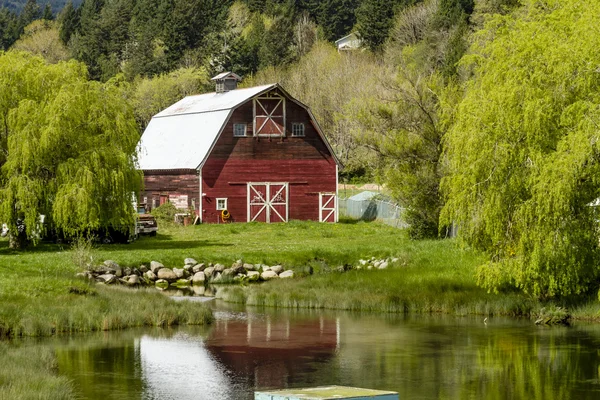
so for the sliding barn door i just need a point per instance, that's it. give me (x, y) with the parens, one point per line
(268, 201)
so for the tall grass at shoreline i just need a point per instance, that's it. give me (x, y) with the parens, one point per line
(95, 309)
(28, 372)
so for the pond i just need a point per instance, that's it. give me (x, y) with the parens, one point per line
(421, 357)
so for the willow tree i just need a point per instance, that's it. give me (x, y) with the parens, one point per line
(524, 151)
(67, 149)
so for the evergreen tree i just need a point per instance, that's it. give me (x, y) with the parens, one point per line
(9, 28)
(30, 13)
(69, 22)
(47, 14)
(374, 19)
(337, 17)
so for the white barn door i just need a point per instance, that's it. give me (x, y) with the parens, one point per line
(327, 207)
(268, 201)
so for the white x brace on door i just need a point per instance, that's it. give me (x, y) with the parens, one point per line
(268, 201)
(327, 207)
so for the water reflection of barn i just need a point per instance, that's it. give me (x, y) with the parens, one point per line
(271, 352)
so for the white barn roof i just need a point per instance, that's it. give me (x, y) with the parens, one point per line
(181, 136)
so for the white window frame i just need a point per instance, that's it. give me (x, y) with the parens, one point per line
(235, 131)
(224, 199)
(300, 132)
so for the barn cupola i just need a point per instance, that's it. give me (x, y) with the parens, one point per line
(226, 81)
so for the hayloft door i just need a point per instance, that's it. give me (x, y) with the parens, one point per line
(327, 207)
(268, 201)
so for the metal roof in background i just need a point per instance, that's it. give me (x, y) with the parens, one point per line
(180, 141)
(209, 102)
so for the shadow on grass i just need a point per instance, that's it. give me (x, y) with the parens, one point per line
(160, 242)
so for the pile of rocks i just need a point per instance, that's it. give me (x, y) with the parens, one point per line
(192, 273)
(375, 263)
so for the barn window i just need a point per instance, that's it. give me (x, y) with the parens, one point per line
(239, 130)
(222, 204)
(297, 129)
(269, 115)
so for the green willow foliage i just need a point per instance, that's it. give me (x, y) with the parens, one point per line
(524, 152)
(68, 148)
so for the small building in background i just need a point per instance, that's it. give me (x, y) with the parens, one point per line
(240, 155)
(349, 42)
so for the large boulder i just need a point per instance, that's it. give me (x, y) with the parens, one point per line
(199, 267)
(155, 266)
(199, 278)
(253, 276)
(277, 269)
(287, 274)
(151, 276)
(229, 272)
(208, 272)
(190, 261)
(108, 278)
(219, 268)
(179, 273)
(166, 274)
(249, 267)
(268, 275)
(383, 265)
(133, 280)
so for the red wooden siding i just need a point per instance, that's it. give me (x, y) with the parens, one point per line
(159, 184)
(304, 162)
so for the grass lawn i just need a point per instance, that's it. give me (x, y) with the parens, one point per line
(40, 296)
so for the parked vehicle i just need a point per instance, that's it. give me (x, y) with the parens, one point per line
(146, 223)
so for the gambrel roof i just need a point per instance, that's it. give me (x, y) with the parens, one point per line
(182, 135)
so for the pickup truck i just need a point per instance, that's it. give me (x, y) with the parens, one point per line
(146, 223)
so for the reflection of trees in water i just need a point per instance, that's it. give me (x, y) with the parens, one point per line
(472, 361)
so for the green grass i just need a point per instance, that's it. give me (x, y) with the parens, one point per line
(29, 372)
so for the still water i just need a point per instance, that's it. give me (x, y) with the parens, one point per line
(421, 357)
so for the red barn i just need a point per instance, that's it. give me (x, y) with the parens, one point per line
(257, 153)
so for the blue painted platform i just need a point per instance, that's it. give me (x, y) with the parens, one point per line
(327, 393)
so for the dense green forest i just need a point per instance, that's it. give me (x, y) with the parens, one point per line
(478, 113)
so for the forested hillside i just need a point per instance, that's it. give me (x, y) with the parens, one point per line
(478, 113)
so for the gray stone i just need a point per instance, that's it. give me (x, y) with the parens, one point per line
(208, 272)
(144, 269)
(133, 280)
(395, 259)
(239, 277)
(108, 278)
(111, 264)
(249, 267)
(362, 262)
(188, 268)
(253, 276)
(287, 274)
(127, 271)
(217, 277)
(199, 267)
(198, 278)
(376, 264)
(151, 276)
(268, 275)
(219, 267)
(190, 261)
(277, 269)
(258, 267)
(166, 274)
(383, 265)
(370, 267)
(155, 266)
(228, 272)
(178, 273)
(136, 272)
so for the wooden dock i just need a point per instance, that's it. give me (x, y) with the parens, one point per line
(327, 393)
